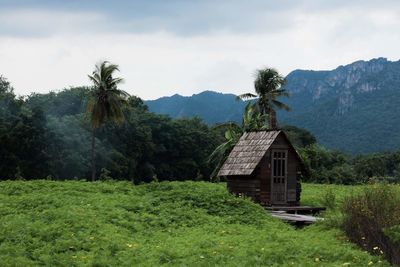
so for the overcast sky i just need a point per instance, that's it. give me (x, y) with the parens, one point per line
(167, 47)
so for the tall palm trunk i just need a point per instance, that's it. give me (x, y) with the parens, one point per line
(263, 109)
(273, 124)
(93, 155)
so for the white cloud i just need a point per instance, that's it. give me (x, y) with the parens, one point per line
(45, 22)
(158, 63)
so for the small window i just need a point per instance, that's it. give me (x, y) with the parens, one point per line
(279, 172)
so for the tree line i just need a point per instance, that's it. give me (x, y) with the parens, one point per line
(50, 136)
(101, 132)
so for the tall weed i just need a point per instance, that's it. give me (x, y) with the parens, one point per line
(369, 215)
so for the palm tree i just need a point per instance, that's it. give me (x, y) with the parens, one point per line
(105, 102)
(268, 87)
(251, 120)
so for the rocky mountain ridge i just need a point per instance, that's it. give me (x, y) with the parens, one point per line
(353, 107)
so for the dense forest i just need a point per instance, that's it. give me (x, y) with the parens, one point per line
(48, 136)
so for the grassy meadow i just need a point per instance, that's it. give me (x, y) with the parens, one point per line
(170, 223)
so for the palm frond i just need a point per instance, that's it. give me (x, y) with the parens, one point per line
(107, 100)
(281, 92)
(280, 105)
(246, 96)
(225, 125)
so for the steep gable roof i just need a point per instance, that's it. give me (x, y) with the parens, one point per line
(248, 152)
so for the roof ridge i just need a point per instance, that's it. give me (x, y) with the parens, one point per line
(264, 130)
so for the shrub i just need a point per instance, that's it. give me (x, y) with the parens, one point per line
(329, 199)
(105, 175)
(368, 216)
(394, 233)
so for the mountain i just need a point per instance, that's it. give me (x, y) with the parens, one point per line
(211, 106)
(353, 108)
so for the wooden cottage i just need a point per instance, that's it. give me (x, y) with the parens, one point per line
(264, 166)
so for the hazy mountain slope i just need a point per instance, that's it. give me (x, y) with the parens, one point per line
(354, 108)
(212, 107)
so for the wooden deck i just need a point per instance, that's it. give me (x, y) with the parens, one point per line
(291, 214)
(295, 218)
(296, 209)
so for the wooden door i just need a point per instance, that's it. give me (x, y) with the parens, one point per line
(279, 176)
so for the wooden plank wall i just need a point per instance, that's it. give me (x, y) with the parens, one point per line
(247, 185)
(292, 177)
(263, 172)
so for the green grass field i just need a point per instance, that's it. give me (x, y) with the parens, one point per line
(170, 223)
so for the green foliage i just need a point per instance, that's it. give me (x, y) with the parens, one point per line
(105, 175)
(368, 215)
(329, 199)
(253, 119)
(18, 174)
(327, 166)
(315, 194)
(299, 137)
(170, 223)
(67, 102)
(26, 145)
(394, 233)
(9, 105)
(48, 134)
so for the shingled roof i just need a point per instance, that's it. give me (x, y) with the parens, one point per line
(248, 152)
